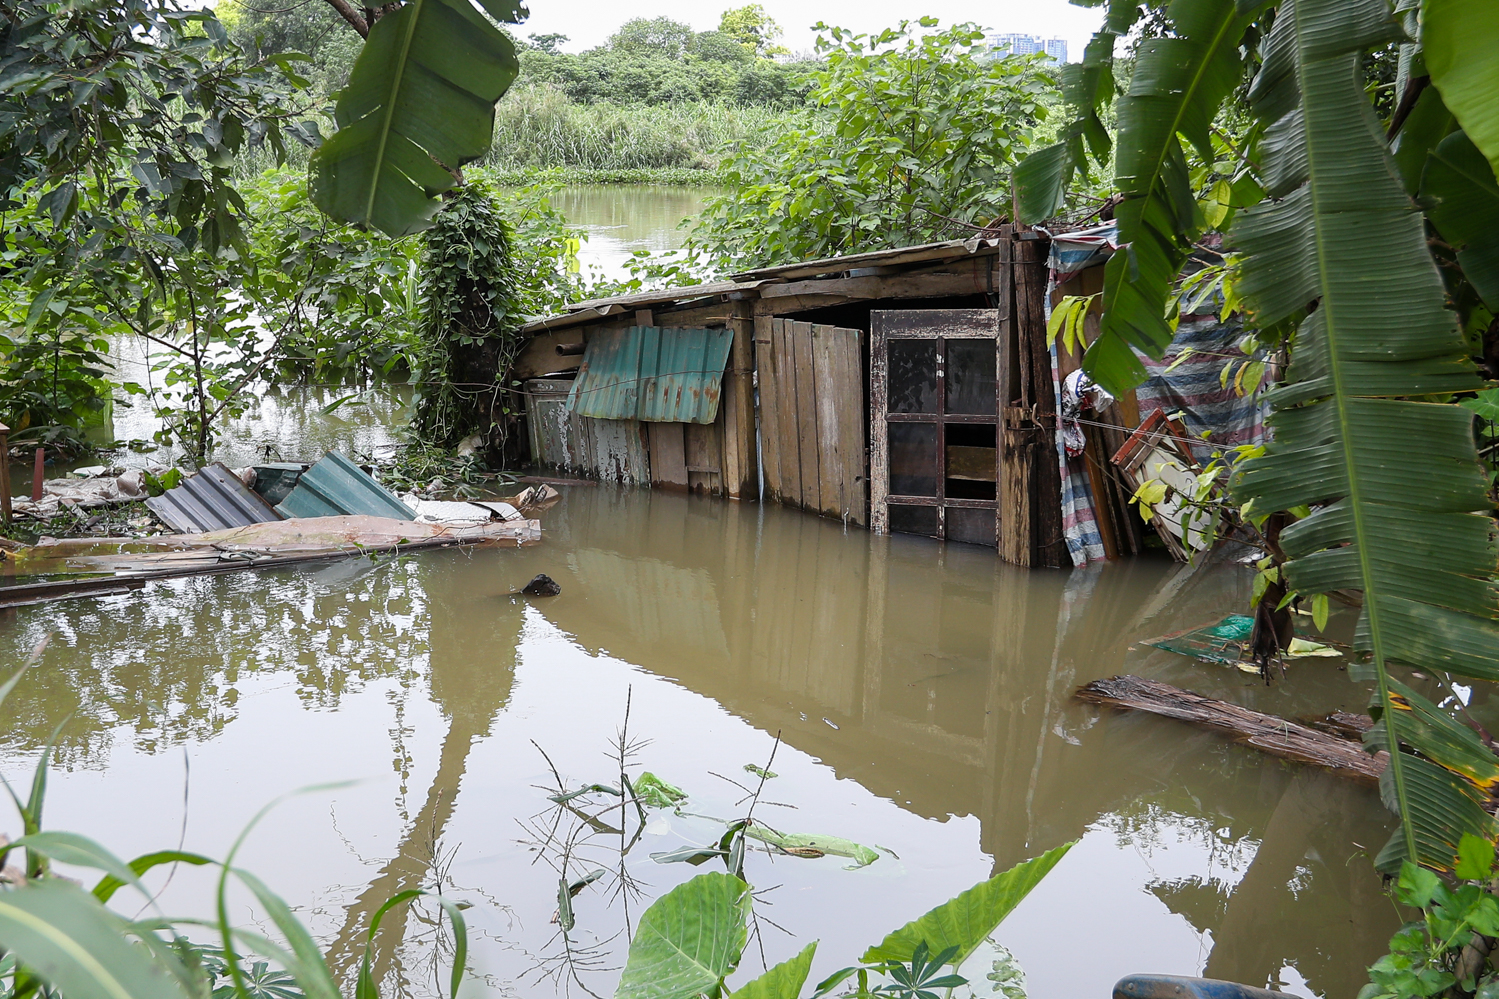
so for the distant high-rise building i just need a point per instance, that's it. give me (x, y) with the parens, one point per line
(1015, 44)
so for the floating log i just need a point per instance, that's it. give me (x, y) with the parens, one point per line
(1277, 736)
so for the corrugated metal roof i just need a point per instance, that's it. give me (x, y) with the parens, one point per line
(336, 487)
(649, 373)
(212, 500)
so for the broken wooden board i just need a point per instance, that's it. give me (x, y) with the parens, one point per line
(1276, 736)
(252, 546)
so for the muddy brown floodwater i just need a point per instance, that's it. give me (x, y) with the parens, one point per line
(921, 693)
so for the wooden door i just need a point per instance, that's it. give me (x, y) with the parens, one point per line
(812, 417)
(937, 379)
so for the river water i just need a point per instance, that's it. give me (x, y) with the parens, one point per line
(920, 692)
(620, 220)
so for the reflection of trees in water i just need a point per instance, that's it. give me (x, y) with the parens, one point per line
(167, 667)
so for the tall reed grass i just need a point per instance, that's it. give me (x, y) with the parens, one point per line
(540, 126)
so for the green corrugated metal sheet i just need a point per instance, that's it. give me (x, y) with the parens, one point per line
(335, 487)
(653, 374)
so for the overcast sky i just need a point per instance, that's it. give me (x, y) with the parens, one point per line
(589, 22)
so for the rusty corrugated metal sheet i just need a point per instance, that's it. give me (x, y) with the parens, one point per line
(653, 374)
(212, 500)
(335, 487)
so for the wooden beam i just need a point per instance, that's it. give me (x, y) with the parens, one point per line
(1276, 736)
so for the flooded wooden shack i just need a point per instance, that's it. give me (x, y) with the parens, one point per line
(911, 390)
(905, 390)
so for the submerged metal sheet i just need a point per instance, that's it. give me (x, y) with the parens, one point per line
(212, 500)
(337, 487)
(612, 450)
(653, 374)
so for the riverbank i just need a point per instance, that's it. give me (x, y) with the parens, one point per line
(576, 176)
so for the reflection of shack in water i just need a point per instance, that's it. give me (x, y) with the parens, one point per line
(950, 693)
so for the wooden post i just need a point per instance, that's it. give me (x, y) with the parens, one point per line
(37, 474)
(5, 472)
(741, 475)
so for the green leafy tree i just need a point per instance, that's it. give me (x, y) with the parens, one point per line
(123, 123)
(754, 29)
(914, 143)
(657, 36)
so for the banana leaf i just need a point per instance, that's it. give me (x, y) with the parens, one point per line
(1463, 203)
(1459, 39)
(1178, 84)
(419, 104)
(1399, 496)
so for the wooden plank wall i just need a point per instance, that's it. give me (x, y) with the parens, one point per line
(812, 417)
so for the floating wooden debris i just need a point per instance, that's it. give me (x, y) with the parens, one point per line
(101, 562)
(1277, 736)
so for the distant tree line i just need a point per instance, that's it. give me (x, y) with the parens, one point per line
(648, 61)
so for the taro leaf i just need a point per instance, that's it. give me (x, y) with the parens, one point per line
(1414, 537)
(655, 792)
(419, 104)
(784, 981)
(1485, 405)
(862, 856)
(688, 940)
(1462, 201)
(966, 921)
(1459, 38)
(67, 938)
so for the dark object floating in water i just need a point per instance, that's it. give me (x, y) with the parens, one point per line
(1171, 987)
(542, 586)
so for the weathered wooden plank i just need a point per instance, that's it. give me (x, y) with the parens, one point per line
(1017, 458)
(704, 450)
(790, 444)
(1030, 330)
(668, 455)
(806, 414)
(851, 410)
(740, 478)
(879, 440)
(800, 303)
(968, 279)
(1277, 736)
(768, 409)
(829, 461)
(905, 255)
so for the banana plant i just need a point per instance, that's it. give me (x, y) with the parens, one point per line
(418, 106)
(1401, 511)
(1381, 317)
